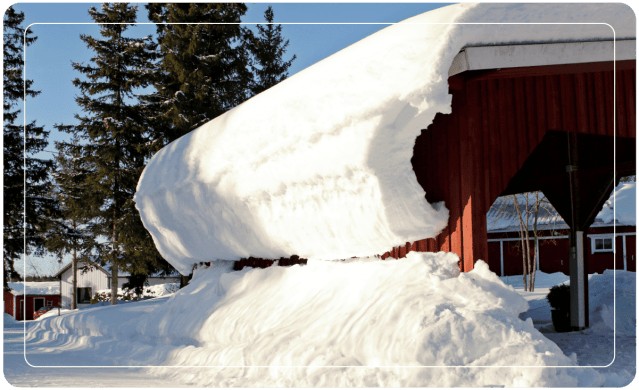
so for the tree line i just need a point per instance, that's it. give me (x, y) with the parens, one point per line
(136, 95)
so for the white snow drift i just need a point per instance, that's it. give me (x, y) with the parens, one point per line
(364, 322)
(319, 165)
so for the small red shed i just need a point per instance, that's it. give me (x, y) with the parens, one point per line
(25, 298)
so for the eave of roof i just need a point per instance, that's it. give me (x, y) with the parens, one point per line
(541, 54)
(66, 267)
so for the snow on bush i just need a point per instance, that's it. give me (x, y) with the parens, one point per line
(363, 322)
(319, 165)
(159, 290)
(128, 294)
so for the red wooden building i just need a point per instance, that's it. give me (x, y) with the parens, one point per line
(611, 230)
(522, 121)
(21, 306)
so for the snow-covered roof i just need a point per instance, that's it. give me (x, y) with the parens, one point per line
(107, 270)
(515, 56)
(502, 217)
(319, 165)
(35, 288)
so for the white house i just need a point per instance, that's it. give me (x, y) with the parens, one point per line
(93, 278)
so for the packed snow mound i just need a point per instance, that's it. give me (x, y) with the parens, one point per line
(622, 205)
(35, 288)
(319, 165)
(365, 322)
(601, 295)
(9, 321)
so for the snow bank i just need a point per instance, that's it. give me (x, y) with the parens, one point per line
(624, 201)
(601, 293)
(319, 165)
(542, 279)
(601, 296)
(364, 322)
(9, 321)
(35, 288)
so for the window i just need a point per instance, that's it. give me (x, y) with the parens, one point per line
(602, 244)
(83, 295)
(38, 303)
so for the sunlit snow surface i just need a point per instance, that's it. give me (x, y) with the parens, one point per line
(319, 165)
(624, 201)
(380, 322)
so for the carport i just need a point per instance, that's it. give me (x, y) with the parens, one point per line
(554, 117)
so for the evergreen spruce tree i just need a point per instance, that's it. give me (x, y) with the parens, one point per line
(268, 48)
(28, 210)
(115, 138)
(203, 71)
(72, 231)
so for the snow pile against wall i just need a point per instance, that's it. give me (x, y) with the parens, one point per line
(624, 202)
(35, 288)
(319, 165)
(387, 321)
(8, 320)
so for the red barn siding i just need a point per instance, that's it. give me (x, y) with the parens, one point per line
(494, 257)
(8, 302)
(29, 309)
(497, 120)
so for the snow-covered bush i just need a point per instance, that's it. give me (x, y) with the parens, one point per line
(127, 295)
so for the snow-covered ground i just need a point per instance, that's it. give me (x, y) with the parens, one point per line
(362, 322)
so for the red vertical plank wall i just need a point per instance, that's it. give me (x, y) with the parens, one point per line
(8, 302)
(494, 126)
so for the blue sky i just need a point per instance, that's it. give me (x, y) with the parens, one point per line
(48, 60)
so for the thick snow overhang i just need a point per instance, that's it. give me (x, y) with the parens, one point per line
(320, 164)
(541, 54)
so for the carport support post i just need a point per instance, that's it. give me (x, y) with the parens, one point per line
(578, 267)
(578, 281)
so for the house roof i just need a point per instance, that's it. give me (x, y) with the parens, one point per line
(502, 217)
(107, 270)
(68, 266)
(541, 54)
(35, 288)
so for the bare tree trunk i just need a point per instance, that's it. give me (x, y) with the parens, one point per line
(523, 244)
(74, 276)
(114, 284)
(530, 266)
(114, 264)
(536, 235)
